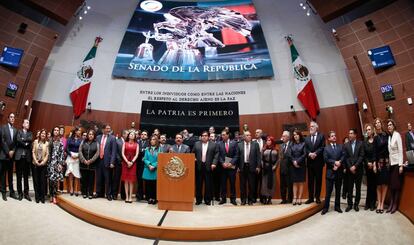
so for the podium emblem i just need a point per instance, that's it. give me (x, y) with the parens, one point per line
(175, 168)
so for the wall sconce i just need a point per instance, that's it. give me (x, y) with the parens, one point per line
(364, 107)
(26, 104)
(389, 109)
(89, 107)
(409, 101)
(2, 105)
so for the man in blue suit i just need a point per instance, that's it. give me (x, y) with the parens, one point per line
(228, 151)
(333, 156)
(106, 163)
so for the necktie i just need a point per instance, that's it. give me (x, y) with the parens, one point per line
(334, 146)
(227, 147)
(313, 139)
(11, 132)
(102, 148)
(353, 147)
(247, 152)
(179, 148)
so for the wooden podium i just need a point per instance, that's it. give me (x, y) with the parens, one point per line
(175, 181)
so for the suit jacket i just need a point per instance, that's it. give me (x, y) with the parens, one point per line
(7, 143)
(317, 148)
(255, 158)
(409, 141)
(109, 149)
(165, 148)
(356, 158)
(119, 144)
(395, 149)
(211, 154)
(184, 149)
(232, 152)
(331, 155)
(23, 145)
(285, 159)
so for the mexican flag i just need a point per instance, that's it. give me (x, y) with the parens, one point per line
(304, 86)
(82, 83)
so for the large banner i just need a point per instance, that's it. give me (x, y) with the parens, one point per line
(205, 40)
(173, 117)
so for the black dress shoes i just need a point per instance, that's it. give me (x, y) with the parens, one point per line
(27, 197)
(318, 201)
(250, 203)
(20, 197)
(198, 203)
(366, 207)
(4, 196)
(37, 200)
(309, 201)
(348, 208)
(243, 203)
(208, 203)
(43, 201)
(324, 211)
(223, 201)
(109, 198)
(283, 202)
(339, 210)
(233, 202)
(356, 208)
(13, 195)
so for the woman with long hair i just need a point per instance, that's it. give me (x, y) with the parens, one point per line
(269, 163)
(130, 151)
(369, 163)
(381, 168)
(150, 169)
(40, 154)
(88, 154)
(72, 160)
(395, 149)
(298, 155)
(55, 167)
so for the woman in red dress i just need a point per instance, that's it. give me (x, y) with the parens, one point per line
(130, 150)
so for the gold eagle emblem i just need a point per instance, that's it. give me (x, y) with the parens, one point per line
(175, 168)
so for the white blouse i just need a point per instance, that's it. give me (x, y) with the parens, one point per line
(395, 149)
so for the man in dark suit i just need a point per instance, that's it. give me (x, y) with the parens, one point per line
(106, 163)
(286, 184)
(8, 147)
(409, 138)
(23, 159)
(249, 166)
(118, 167)
(314, 145)
(334, 158)
(228, 161)
(206, 156)
(354, 155)
(179, 147)
(143, 143)
(164, 147)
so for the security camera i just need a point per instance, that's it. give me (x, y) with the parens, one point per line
(2, 105)
(364, 106)
(389, 109)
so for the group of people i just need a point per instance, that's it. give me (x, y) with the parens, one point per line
(102, 161)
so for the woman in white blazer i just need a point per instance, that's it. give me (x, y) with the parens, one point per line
(395, 148)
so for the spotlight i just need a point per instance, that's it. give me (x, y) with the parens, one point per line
(335, 34)
(80, 18)
(301, 4)
(308, 13)
(85, 12)
(304, 7)
(88, 7)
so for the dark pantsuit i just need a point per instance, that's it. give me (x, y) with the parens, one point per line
(6, 168)
(202, 175)
(247, 183)
(39, 181)
(330, 183)
(216, 177)
(354, 180)
(345, 184)
(151, 189)
(315, 181)
(231, 175)
(286, 187)
(116, 179)
(103, 180)
(140, 182)
(87, 181)
(23, 171)
(371, 189)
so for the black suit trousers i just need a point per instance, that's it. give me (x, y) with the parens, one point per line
(203, 176)
(371, 188)
(116, 180)
(6, 167)
(103, 179)
(354, 180)
(330, 183)
(286, 187)
(87, 181)
(23, 171)
(247, 184)
(39, 181)
(315, 170)
(229, 174)
(140, 182)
